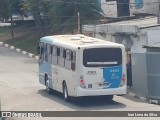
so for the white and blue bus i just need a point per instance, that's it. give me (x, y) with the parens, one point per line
(77, 65)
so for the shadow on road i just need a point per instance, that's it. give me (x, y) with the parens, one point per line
(84, 103)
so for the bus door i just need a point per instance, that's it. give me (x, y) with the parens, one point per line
(102, 68)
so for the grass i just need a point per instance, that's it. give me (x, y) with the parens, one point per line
(25, 44)
(5, 33)
(25, 38)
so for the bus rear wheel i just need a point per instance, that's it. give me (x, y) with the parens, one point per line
(48, 89)
(65, 93)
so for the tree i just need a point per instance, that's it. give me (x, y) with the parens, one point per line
(64, 12)
(39, 9)
(5, 9)
(16, 7)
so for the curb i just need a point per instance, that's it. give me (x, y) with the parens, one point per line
(152, 101)
(144, 99)
(19, 50)
(131, 93)
(139, 97)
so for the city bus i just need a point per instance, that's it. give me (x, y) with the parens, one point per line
(78, 65)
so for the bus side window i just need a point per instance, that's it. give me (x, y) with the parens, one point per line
(41, 52)
(68, 60)
(61, 57)
(54, 55)
(46, 56)
(50, 54)
(73, 61)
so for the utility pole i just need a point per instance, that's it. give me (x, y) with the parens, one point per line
(79, 26)
(79, 20)
(12, 24)
(37, 17)
(158, 14)
(46, 24)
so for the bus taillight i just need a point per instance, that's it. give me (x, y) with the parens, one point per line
(82, 82)
(123, 81)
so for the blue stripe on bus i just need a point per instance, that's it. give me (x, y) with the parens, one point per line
(112, 76)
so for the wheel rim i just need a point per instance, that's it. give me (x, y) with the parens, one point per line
(65, 93)
(47, 85)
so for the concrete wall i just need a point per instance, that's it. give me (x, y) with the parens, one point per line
(0, 108)
(109, 8)
(147, 6)
(153, 35)
(138, 41)
(146, 36)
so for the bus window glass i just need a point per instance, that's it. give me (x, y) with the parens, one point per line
(54, 51)
(41, 57)
(61, 58)
(102, 57)
(61, 52)
(50, 54)
(74, 57)
(64, 53)
(54, 55)
(73, 64)
(47, 53)
(68, 60)
(68, 55)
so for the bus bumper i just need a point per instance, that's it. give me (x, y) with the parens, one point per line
(98, 92)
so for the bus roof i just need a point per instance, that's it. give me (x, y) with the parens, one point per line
(75, 41)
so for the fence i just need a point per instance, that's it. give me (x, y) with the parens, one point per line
(153, 75)
(146, 74)
(139, 74)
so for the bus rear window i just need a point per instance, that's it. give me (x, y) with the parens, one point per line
(102, 57)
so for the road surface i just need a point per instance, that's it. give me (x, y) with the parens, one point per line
(21, 91)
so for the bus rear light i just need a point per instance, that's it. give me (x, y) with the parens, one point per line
(82, 83)
(123, 81)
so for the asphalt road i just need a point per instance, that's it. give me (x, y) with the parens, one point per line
(21, 91)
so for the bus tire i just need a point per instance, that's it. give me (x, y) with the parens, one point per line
(48, 89)
(65, 92)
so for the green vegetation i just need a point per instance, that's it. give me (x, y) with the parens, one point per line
(25, 38)
(66, 12)
(29, 45)
(50, 17)
(5, 9)
(5, 33)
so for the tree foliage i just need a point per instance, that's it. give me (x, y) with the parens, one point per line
(8, 7)
(37, 7)
(57, 12)
(5, 9)
(16, 7)
(66, 11)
